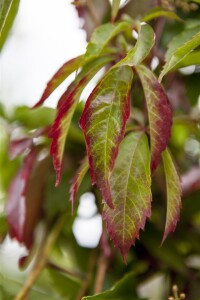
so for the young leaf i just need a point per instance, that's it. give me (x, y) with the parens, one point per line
(66, 108)
(173, 194)
(158, 12)
(76, 181)
(123, 289)
(142, 48)
(68, 68)
(131, 192)
(159, 113)
(8, 11)
(103, 123)
(193, 58)
(102, 36)
(180, 47)
(115, 9)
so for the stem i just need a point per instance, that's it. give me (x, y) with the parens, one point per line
(92, 11)
(101, 272)
(42, 258)
(86, 285)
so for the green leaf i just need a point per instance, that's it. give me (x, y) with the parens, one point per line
(115, 9)
(173, 194)
(102, 36)
(159, 113)
(142, 48)
(8, 11)
(77, 180)
(124, 289)
(158, 12)
(66, 108)
(103, 123)
(131, 192)
(193, 58)
(180, 47)
(68, 68)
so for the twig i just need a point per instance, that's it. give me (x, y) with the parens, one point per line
(42, 258)
(92, 11)
(86, 285)
(101, 271)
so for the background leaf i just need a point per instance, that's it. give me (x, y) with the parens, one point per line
(180, 47)
(103, 123)
(158, 12)
(159, 113)
(8, 11)
(123, 289)
(141, 49)
(173, 194)
(115, 9)
(131, 192)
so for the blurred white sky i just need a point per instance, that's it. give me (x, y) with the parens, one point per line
(45, 34)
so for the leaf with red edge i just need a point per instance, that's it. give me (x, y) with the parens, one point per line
(103, 123)
(77, 180)
(159, 113)
(66, 108)
(25, 195)
(131, 192)
(67, 69)
(173, 194)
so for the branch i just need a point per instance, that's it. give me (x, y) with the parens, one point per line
(42, 258)
(101, 272)
(92, 12)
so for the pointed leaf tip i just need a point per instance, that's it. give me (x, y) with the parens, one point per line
(103, 124)
(131, 192)
(174, 192)
(159, 113)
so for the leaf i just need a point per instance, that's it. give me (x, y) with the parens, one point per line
(193, 58)
(17, 147)
(173, 194)
(8, 11)
(66, 109)
(103, 123)
(158, 12)
(159, 113)
(25, 195)
(68, 68)
(123, 289)
(102, 36)
(142, 48)
(131, 192)
(180, 47)
(77, 180)
(115, 9)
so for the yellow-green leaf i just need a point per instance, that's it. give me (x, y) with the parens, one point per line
(173, 187)
(131, 192)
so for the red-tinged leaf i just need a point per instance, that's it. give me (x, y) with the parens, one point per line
(173, 194)
(159, 112)
(66, 108)
(17, 147)
(103, 123)
(15, 206)
(25, 198)
(68, 68)
(131, 192)
(77, 180)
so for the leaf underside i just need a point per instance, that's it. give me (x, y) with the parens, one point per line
(131, 192)
(174, 192)
(159, 113)
(103, 123)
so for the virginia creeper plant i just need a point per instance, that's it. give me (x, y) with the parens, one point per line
(124, 137)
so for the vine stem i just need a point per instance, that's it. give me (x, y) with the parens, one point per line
(101, 272)
(91, 8)
(42, 258)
